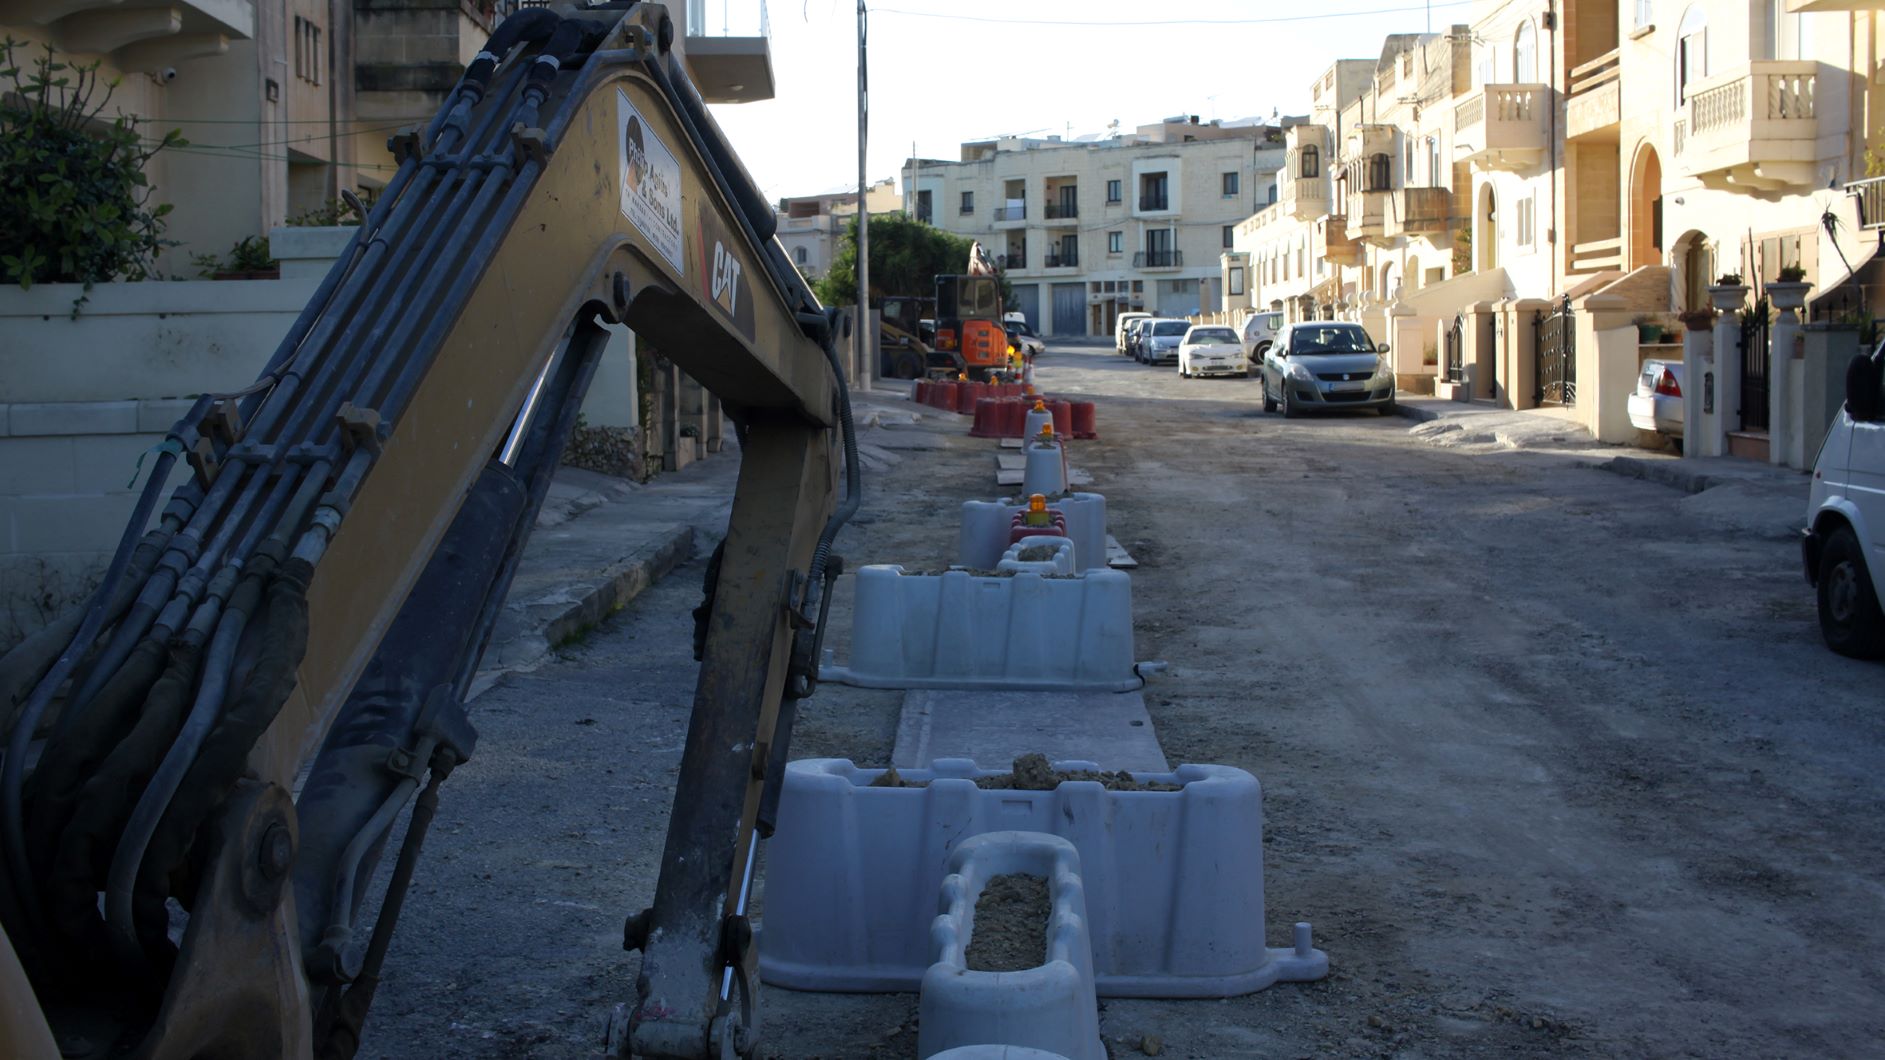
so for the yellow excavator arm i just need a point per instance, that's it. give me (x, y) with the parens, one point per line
(314, 601)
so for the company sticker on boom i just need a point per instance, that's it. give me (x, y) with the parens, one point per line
(651, 183)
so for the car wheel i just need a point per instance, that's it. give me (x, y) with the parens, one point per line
(1269, 403)
(1290, 411)
(1849, 613)
(1390, 409)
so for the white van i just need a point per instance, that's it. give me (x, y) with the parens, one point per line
(1844, 542)
(1119, 329)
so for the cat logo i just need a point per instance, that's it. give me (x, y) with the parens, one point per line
(726, 279)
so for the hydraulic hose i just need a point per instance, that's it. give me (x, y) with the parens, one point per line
(13, 772)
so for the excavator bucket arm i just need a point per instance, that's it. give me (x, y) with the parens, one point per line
(314, 600)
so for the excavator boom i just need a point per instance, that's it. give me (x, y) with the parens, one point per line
(310, 607)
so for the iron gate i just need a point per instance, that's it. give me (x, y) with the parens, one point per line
(1554, 339)
(1456, 350)
(1754, 367)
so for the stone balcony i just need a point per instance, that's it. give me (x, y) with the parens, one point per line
(1303, 198)
(1753, 128)
(140, 35)
(1594, 108)
(728, 50)
(1367, 215)
(1503, 126)
(1331, 242)
(1418, 212)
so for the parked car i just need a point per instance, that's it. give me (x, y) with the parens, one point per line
(1211, 350)
(1326, 364)
(1159, 342)
(1656, 403)
(1844, 542)
(1022, 334)
(1259, 334)
(1120, 328)
(1135, 336)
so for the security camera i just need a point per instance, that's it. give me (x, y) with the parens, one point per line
(164, 76)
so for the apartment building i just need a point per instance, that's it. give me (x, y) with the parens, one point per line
(812, 226)
(1087, 229)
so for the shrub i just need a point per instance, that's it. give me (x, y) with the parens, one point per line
(74, 201)
(1728, 279)
(1792, 274)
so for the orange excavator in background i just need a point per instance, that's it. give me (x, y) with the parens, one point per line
(969, 317)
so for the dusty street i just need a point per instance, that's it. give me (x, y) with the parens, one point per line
(1554, 760)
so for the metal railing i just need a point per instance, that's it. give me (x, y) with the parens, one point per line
(1158, 259)
(1871, 195)
(1060, 211)
(728, 18)
(1160, 201)
(1011, 261)
(1062, 259)
(1011, 213)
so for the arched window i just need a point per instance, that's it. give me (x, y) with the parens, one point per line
(1311, 161)
(1525, 54)
(1380, 173)
(1691, 51)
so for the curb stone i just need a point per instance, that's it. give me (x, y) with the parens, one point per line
(535, 627)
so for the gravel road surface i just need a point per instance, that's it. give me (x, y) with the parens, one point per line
(1553, 759)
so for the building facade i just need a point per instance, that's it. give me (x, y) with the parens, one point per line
(1088, 229)
(812, 226)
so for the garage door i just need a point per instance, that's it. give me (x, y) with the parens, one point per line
(1069, 309)
(1027, 299)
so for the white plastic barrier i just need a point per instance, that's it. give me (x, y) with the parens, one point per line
(1046, 469)
(1174, 879)
(1031, 426)
(963, 630)
(1051, 1006)
(1058, 551)
(984, 529)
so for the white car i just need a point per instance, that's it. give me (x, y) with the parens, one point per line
(1260, 334)
(1211, 350)
(1119, 330)
(1844, 542)
(1656, 403)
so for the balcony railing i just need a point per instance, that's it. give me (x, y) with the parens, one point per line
(1158, 201)
(1158, 259)
(1006, 262)
(1011, 213)
(1596, 97)
(1061, 211)
(726, 18)
(1502, 126)
(1062, 259)
(1871, 195)
(1367, 211)
(1752, 129)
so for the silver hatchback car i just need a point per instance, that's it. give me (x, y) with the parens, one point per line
(1325, 364)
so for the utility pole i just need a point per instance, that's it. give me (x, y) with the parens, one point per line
(863, 316)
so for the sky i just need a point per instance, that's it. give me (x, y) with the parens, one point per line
(947, 71)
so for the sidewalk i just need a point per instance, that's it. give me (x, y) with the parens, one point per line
(599, 541)
(1465, 425)
(1742, 495)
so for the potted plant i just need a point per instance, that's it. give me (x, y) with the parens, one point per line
(1698, 319)
(1789, 292)
(1648, 330)
(1728, 292)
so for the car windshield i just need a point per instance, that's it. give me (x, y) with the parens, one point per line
(1349, 339)
(1170, 327)
(1212, 337)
